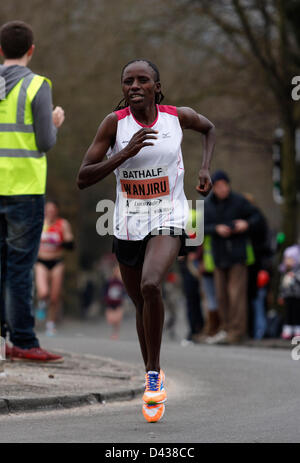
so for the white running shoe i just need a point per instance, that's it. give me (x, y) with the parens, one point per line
(296, 331)
(219, 337)
(287, 332)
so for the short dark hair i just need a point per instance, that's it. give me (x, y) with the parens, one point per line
(16, 37)
(219, 175)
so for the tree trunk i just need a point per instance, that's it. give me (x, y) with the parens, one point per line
(289, 182)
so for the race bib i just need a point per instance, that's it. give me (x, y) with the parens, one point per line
(145, 191)
(145, 183)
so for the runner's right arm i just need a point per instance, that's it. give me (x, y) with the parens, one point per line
(93, 167)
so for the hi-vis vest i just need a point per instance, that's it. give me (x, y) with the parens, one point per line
(208, 260)
(23, 167)
(209, 264)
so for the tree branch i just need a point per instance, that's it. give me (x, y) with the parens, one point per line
(268, 22)
(278, 84)
(230, 30)
(249, 34)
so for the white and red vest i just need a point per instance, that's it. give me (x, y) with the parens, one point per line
(150, 192)
(52, 236)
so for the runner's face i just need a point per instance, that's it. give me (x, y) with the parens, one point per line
(138, 84)
(51, 211)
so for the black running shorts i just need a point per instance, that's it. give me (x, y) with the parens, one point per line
(132, 253)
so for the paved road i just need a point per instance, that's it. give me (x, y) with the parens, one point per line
(215, 394)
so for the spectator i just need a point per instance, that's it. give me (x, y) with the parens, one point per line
(207, 267)
(27, 130)
(290, 291)
(228, 218)
(259, 274)
(191, 292)
(191, 285)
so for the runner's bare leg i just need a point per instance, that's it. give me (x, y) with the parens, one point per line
(160, 254)
(131, 277)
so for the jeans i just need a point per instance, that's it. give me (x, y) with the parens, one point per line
(208, 286)
(21, 223)
(260, 319)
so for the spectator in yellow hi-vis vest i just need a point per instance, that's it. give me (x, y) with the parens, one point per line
(28, 126)
(229, 219)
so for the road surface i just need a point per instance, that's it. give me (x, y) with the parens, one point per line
(215, 394)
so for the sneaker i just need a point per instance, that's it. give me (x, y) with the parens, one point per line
(35, 354)
(287, 332)
(153, 413)
(219, 337)
(296, 331)
(186, 342)
(154, 392)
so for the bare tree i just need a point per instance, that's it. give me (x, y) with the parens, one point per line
(268, 32)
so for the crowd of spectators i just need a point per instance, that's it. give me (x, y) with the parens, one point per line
(230, 297)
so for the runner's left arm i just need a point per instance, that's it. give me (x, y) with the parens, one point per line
(68, 237)
(190, 119)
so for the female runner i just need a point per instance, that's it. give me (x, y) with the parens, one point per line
(142, 140)
(49, 269)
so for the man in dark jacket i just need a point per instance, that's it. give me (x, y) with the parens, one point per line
(228, 218)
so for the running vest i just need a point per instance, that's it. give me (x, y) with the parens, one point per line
(22, 167)
(149, 191)
(52, 236)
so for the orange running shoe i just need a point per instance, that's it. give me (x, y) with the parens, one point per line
(155, 391)
(153, 413)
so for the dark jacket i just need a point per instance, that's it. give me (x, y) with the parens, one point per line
(232, 250)
(260, 236)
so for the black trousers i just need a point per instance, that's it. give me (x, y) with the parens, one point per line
(193, 301)
(292, 311)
